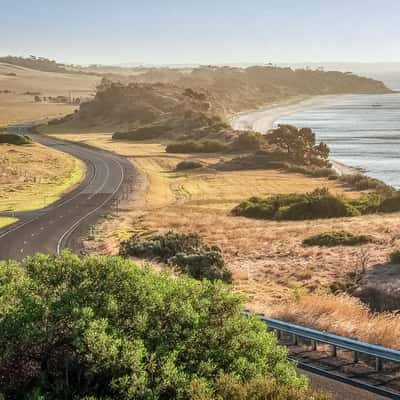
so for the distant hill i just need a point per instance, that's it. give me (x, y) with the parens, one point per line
(238, 89)
(202, 99)
(37, 63)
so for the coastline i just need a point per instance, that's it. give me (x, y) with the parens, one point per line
(263, 119)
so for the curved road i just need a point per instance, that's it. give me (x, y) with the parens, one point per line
(66, 222)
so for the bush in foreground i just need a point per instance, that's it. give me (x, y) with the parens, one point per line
(340, 238)
(101, 328)
(313, 205)
(187, 253)
(11, 138)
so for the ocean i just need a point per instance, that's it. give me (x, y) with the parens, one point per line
(361, 131)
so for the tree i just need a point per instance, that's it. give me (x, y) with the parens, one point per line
(299, 144)
(101, 327)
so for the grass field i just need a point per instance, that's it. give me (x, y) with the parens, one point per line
(34, 176)
(17, 106)
(270, 266)
(5, 221)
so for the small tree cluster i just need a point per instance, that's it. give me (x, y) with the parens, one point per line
(299, 145)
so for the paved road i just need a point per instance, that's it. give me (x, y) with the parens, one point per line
(339, 390)
(63, 224)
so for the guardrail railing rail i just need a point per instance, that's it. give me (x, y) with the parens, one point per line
(380, 353)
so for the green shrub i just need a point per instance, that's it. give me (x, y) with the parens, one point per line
(340, 238)
(390, 204)
(145, 133)
(11, 138)
(368, 203)
(394, 257)
(206, 264)
(247, 141)
(228, 387)
(207, 146)
(188, 164)
(363, 182)
(314, 171)
(317, 204)
(102, 328)
(187, 253)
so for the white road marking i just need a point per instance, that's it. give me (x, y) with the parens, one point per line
(69, 231)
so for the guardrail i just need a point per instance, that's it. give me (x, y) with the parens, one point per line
(380, 353)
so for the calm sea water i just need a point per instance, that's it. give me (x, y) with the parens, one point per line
(361, 131)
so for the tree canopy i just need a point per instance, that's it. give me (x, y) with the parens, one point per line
(299, 144)
(102, 328)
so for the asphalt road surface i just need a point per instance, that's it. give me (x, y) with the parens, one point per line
(339, 390)
(66, 222)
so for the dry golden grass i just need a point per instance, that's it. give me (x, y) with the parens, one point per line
(5, 221)
(269, 264)
(34, 176)
(16, 107)
(344, 315)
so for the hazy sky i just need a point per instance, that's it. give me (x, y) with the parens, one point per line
(202, 31)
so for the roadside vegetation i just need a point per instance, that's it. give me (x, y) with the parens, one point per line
(18, 140)
(32, 177)
(186, 253)
(99, 327)
(5, 221)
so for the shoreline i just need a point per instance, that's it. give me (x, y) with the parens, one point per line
(263, 119)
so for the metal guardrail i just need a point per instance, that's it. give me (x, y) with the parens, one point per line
(379, 352)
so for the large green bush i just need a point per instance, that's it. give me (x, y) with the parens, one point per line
(101, 328)
(187, 253)
(12, 138)
(340, 238)
(317, 204)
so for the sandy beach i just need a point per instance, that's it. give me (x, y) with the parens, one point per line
(263, 119)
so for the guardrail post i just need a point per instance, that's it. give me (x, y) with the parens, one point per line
(378, 364)
(295, 340)
(313, 345)
(355, 357)
(333, 351)
(278, 334)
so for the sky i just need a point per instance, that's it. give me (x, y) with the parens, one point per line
(202, 31)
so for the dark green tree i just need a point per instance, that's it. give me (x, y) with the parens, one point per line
(299, 144)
